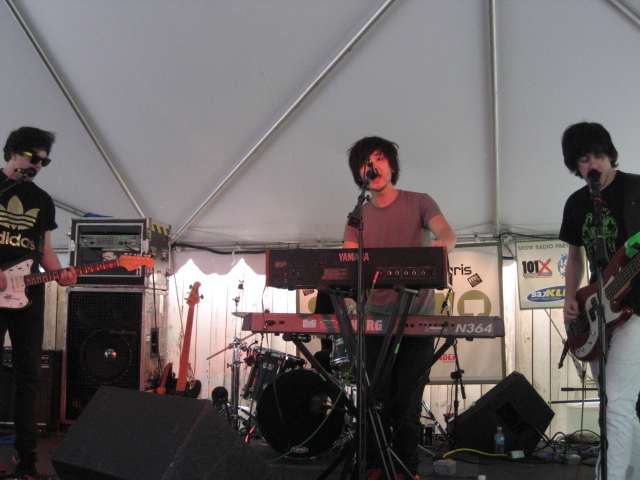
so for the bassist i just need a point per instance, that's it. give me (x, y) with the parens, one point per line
(27, 217)
(588, 147)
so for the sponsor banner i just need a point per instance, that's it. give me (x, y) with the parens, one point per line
(476, 272)
(541, 272)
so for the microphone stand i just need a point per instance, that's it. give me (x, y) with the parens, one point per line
(601, 261)
(456, 376)
(355, 220)
(23, 178)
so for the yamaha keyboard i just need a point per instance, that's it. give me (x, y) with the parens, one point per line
(416, 267)
(416, 325)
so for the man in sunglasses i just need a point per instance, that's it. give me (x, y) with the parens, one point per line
(27, 217)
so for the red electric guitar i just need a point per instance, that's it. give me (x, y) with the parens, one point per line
(583, 333)
(19, 276)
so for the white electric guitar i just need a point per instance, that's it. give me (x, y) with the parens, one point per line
(19, 276)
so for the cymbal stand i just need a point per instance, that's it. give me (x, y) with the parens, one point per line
(238, 345)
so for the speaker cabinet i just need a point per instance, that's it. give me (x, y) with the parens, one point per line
(514, 405)
(108, 342)
(48, 393)
(129, 435)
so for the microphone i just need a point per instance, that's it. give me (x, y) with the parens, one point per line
(27, 172)
(372, 173)
(593, 177)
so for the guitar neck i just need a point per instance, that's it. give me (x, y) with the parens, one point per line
(184, 358)
(624, 277)
(43, 277)
(192, 301)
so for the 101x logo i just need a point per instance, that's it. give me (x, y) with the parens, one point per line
(536, 268)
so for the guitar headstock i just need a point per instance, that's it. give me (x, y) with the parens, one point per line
(194, 296)
(131, 262)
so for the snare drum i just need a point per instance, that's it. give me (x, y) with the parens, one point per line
(267, 364)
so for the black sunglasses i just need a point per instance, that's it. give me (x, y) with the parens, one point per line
(35, 159)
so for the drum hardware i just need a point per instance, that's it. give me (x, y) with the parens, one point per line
(431, 417)
(266, 365)
(238, 345)
(341, 362)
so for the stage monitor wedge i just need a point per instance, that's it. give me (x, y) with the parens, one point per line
(129, 435)
(512, 404)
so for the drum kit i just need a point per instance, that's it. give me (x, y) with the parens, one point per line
(297, 411)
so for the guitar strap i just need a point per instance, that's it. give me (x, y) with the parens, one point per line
(631, 203)
(40, 246)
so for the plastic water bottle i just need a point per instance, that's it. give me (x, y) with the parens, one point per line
(498, 441)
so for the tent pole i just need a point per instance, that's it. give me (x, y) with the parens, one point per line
(315, 83)
(495, 119)
(626, 11)
(74, 105)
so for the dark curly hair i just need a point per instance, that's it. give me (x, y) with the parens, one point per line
(583, 138)
(360, 152)
(27, 139)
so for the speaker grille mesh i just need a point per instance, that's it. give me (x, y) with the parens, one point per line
(104, 338)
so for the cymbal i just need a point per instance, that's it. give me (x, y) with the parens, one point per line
(239, 314)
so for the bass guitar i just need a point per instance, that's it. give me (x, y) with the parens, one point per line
(583, 332)
(181, 387)
(20, 277)
(169, 385)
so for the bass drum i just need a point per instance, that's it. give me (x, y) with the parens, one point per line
(292, 407)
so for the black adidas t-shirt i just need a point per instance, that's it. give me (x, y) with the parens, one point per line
(26, 213)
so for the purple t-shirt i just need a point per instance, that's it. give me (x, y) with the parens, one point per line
(403, 223)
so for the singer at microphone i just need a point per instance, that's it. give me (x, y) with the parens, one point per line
(614, 196)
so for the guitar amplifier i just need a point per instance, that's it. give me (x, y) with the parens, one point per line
(49, 392)
(99, 239)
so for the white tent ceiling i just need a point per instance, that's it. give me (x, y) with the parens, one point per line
(230, 119)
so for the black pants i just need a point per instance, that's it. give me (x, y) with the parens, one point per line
(400, 398)
(26, 331)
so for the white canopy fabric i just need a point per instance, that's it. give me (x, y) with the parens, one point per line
(230, 120)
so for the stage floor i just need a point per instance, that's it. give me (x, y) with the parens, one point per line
(468, 466)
